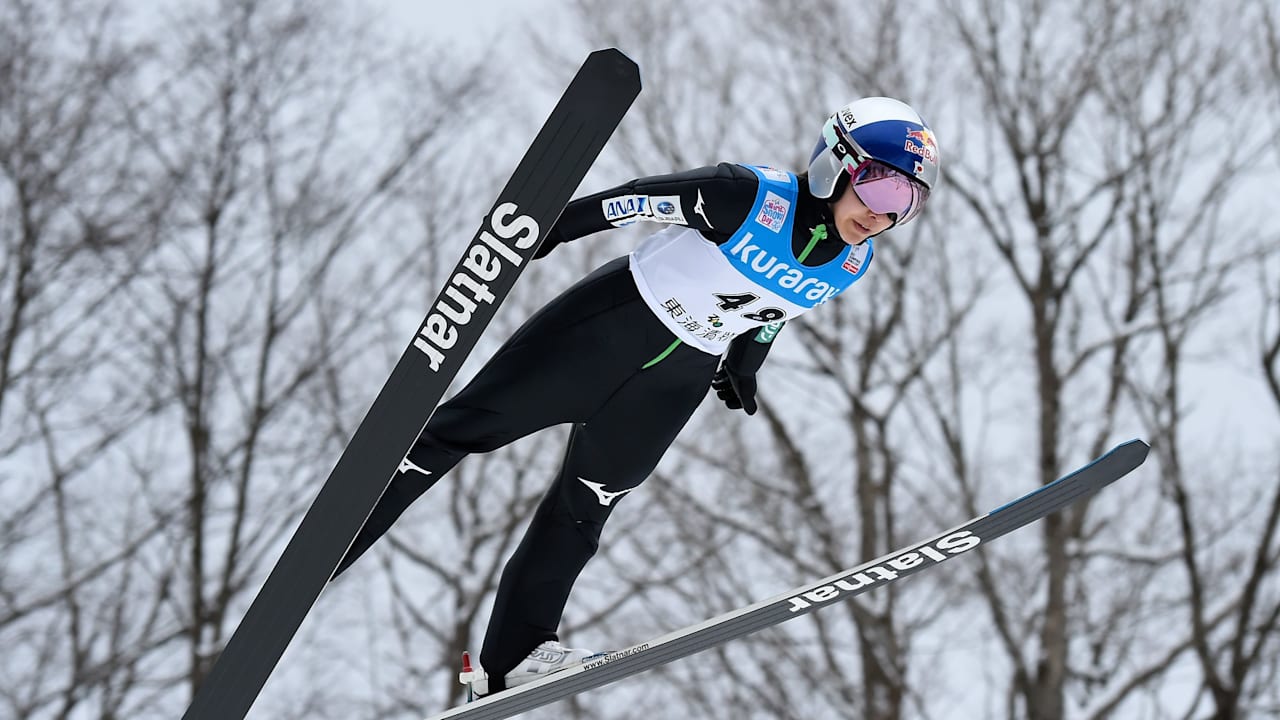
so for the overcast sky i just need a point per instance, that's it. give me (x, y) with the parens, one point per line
(462, 22)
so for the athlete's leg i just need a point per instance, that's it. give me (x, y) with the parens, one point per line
(608, 456)
(550, 371)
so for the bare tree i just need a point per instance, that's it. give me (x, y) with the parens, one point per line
(1234, 613)
(72, 228)
(203, 244)
(274, 292)
(1101, 122)
(1233, 607)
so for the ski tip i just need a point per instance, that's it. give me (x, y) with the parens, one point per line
(623, 67)
(1135, 450)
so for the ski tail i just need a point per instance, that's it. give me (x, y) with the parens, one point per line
(468, 676)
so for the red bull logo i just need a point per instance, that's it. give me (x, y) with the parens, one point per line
(924, 145)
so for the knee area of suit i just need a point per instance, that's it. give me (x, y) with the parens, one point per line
(589, 532)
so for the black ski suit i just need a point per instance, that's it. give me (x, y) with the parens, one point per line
(598, 357)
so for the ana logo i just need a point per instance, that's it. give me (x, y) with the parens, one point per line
(773, 214)
(926, 148)
(624, 210)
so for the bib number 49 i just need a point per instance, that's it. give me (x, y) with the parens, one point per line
(734, 302)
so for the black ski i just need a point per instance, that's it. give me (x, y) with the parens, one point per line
(532, 200)
(714, 632)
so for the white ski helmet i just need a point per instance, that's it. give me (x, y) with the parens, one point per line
(887, 151)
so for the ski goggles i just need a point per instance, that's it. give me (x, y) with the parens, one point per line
(885, 190)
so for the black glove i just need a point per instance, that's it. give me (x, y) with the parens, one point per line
(735, 381)
(738, 391)
(553, 238)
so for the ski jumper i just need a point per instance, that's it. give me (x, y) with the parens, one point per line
(626, 355)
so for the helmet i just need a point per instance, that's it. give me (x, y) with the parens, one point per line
(885, 149)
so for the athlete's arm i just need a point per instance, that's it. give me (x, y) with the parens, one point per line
(735, 380)
(714, 200)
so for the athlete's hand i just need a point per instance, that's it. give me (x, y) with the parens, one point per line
(738, 391)
(549, 243)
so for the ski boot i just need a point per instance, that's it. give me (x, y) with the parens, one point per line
(547, 658)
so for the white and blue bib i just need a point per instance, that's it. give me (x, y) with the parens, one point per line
(708, 294)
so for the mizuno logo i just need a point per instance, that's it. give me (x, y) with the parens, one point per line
(697, 207)
(406, 465)
(606, 498)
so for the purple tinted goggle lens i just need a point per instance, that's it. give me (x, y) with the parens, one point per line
(884, 190)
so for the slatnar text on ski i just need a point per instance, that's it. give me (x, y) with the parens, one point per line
(438, 332)
(887, 571)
